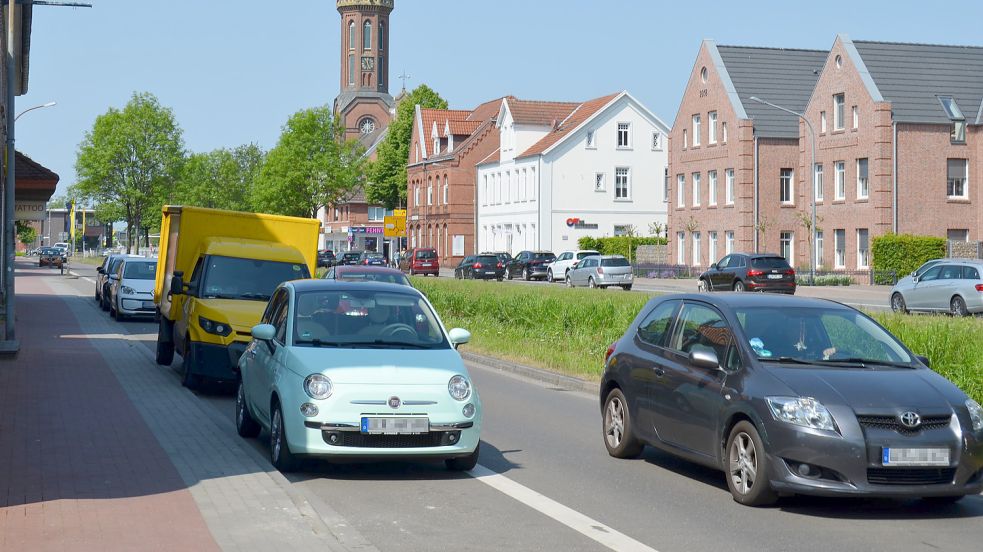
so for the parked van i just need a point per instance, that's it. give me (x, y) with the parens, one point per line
(216, 272)
(421, 260)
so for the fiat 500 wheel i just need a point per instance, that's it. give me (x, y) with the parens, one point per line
(246, 426)
(280, 454)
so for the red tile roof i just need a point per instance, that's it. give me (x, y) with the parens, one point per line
(580, 113)
(488, 110)
(539, 113)
(462, 128)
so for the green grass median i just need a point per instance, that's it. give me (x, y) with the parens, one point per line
(568, 330)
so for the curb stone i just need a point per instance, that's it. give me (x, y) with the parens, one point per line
(541, 375)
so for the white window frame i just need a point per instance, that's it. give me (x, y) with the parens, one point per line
(856, 117)
(430, 192)
(696, 130)
(351, 34)
(728, 242)
(685, 140)
(367, 35)
(680, 248)
(729, 186)
(723, 132)
(822, 121)
(696, 248)
(786, 179)
(711, 247)
(696, 188)
(787, 237)
(863, 184)
(965, 180)
(446, 190)
(819, 248)
(863, 257)
(680, 190)
(416, 196)
(839, 168)
(623, 133)
(839, 111)
(817, 176)
(599, 182)
(627, 183)
(712, 127)
(712, 187)
(839, 248)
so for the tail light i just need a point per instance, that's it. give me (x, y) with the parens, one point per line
(499, 265)
(478, 265)
(979, 287)
(755, 273)
(610, 351)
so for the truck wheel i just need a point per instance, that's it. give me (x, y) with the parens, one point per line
(165, 345)
(188, 379)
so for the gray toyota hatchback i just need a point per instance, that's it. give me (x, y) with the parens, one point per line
(789, 395)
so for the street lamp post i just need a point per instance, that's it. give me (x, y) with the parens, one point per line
(812, 134)
(42, 106)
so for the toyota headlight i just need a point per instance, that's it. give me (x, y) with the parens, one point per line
(459, 388)
(318, 386)
(975, 414)
(801, 411)
(127, 290)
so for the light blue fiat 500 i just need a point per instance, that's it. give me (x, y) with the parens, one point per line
(358, 370)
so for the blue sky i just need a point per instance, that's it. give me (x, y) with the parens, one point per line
(234, 70)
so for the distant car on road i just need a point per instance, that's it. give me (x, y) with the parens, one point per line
(132, 291)
(601, 271)
(367, 274)
(480, 267)
(53, 257)
(349, 258)
(529, 265)
(749, 272)
(357, 370)
(372, 258)
(949, 285)
(325, 258)
(421, 260)
(557, 270)
(503, 256)
(789, 395)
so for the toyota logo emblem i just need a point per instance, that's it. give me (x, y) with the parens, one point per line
(394, 402)
(910, 419)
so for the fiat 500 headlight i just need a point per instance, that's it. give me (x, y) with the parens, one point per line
(459, 388)
(318, 386)
(801, 411)
(975, 414)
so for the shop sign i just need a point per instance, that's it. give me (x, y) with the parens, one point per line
(580, 224)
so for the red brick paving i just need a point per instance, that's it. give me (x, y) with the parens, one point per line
(79, 468)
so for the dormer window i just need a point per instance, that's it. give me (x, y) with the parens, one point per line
(590, 138)
(436, 146)
(958, 134)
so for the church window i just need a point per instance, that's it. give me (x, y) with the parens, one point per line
(351, 35)
(382, 37)
(351, 69)
(367, 35)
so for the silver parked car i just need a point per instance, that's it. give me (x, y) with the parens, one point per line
(601, 271)
(953, 285)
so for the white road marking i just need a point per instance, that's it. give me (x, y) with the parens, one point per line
(87, 279)
(567, 516)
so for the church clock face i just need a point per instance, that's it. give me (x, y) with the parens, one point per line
(368, 63)
(366, 125)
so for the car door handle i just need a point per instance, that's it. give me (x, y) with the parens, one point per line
(659, 372)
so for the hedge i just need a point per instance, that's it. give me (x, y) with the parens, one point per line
(617, 245)
(905, 252)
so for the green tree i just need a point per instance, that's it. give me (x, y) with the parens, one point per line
(312, 166)
(129, 162)
(387, 177)
(220, 179)
(26, 233)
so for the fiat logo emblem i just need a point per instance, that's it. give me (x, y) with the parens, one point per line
(394, 402)
(910, 419)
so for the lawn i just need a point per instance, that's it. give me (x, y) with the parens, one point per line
(568, 330)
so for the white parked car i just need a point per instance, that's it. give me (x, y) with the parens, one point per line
(131, 293)
(558, 269)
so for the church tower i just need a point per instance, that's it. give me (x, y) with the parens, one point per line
(364, 103)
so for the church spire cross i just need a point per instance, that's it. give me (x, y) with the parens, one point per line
(403, 77)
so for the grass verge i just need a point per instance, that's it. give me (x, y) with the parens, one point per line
(568, 330)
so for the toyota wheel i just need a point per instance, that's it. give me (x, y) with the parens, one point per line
(747, 467)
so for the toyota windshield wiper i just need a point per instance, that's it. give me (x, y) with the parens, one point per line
(865, 361)
(787, 359)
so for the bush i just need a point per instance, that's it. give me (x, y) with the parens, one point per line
(617, 245)
(904, 253)
(824, 280)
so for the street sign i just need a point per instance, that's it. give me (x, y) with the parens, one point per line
(395, 227)
(399, 213)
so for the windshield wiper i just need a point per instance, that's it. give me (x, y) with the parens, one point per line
(792, 360)
(317, 343)
(262, 296)
(386, 343)
(220, 296)
(865, 361)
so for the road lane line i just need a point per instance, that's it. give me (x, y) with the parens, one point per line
(567, 516)
(87, 279)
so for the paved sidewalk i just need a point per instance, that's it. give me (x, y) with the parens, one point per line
(90, 424)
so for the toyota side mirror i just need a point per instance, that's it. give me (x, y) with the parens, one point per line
(459, 336)
(101, 270)
(924, 360)
(705, 358)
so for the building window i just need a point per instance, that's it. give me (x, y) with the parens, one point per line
(956, 187)
(436, 145)
(590, 138)
(696, 189)
(620, 229)
(819, 182)
(712, 185)
(484, 190)
(958, 134)
(680, 248)
(416, 196)
(712, 127)
(786, 242)
(598, 182)
(446, 190)
(957, 235)
(665, 186)
(624, 135)
(839, 245)
(822, 121)
(377, 213)
(728, 242)
(656, 140)
(838, 105)
(382, 72)
(382, 36)
(863, 182)
(711, 247)
(819, 248)
(622, 184)
(367, 35)
(522, 185)
(680, 190)
(696, 249)
(351, 35)
(785, 186)
(863, 248)
(729, 186)
(685, 140)
(351, 69)
(856, 117)
(696, 130)
(840, 168)
(430, 192)
(723, 132)
(532, 185)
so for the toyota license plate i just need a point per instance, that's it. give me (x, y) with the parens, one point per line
(774, 276)
(915, 456)
(393, 425)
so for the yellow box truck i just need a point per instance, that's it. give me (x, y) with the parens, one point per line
(215, 273)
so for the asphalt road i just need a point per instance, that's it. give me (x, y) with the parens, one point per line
(559, 490)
